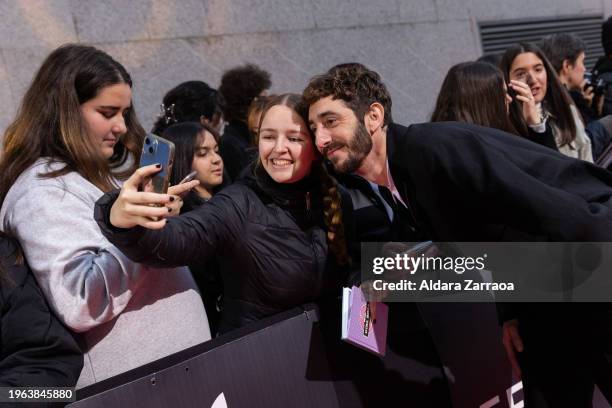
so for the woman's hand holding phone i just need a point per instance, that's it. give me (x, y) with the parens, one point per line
(146, 209)
(522, 92)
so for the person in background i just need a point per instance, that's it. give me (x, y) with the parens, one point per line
(197, 149)
(254, 114)
(566, 53)
(603, 67)
(475, 92)
(239, 87)
(493, 59)
(191, 101)
(36, 350)
(525, 62)
(74, 129)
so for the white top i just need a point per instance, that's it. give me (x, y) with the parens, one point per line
(394, 193)
(580, 148)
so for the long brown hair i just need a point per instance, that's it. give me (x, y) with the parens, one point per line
(332, 201)
(556, 101)
(473, 92)
(49, 121)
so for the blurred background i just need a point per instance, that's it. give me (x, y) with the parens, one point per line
(411, 43)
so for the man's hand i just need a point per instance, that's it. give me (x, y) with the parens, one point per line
(512, 343)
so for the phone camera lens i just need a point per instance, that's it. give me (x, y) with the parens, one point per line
(151, 150)
(147, 141)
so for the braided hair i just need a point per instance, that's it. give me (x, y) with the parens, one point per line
(332, 215)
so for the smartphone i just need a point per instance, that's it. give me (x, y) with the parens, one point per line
(158, 150)
(511, 92)
(189, 177)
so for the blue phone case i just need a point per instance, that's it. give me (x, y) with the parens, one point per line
(158, 150)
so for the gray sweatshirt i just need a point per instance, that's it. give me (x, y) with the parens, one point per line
(128, 314)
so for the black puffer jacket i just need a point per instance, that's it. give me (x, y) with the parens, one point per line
(269, 239)
(35, 348)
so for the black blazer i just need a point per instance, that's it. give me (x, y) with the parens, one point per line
(470, 183)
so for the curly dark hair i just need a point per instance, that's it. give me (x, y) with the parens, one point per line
(188, 102)
(353, 83)
(239, 86)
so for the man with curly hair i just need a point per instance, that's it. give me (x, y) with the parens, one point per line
(239, 87)
(458, 182)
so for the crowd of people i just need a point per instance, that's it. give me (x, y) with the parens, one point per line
(99, 277)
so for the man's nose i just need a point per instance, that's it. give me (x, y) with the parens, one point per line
(322, 138)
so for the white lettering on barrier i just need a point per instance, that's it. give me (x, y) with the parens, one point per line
(510, 393)
(513, 390)
(220, 402)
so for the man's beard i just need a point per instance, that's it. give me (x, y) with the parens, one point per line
(357, 149)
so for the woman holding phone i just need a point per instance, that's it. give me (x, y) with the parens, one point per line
(475, 92)
(525, 65)
(270, 231)
(75, 127)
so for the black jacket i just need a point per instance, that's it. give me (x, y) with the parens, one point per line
(236, 149)
(471, 183)
(35, 348)
(206, 275)
(270, 244)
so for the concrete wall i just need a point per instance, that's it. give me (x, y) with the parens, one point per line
(412, 43)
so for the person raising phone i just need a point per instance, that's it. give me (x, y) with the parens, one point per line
(525, 63)
(75, 127)
(271, 231)
(475, 92)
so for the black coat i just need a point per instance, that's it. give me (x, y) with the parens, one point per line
(35, 348)
(471, 183)
(271, 246)
(207, 275)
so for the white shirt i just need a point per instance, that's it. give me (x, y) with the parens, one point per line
(394, 193)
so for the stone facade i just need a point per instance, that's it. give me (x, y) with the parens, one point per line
(412, 43)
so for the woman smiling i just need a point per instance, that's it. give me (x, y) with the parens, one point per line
(271, 231)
